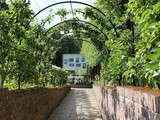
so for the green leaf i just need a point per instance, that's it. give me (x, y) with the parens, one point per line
(153, 65)
(156, 7)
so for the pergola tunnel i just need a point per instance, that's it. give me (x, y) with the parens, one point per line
(97, 62)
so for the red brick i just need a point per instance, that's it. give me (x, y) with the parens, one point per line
(135, 103)
(145, 99)
(26, 104)
(137, 96)
(120, 91)
(129, 93)
(157, 117)
(129, 103)
(154, 103)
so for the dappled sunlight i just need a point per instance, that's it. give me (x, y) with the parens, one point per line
(78, 104)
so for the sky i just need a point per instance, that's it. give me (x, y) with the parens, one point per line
(37, 5)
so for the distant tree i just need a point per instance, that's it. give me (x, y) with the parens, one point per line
(69, 45)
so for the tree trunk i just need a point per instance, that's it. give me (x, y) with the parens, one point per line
(2, 81)
(120, 79)
(19, 82)
(130, 25)
(133, 51)
(3, 76)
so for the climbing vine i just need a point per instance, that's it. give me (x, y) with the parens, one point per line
(26, 53)
(128, 51)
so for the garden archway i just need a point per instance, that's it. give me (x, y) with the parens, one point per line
(58, 3)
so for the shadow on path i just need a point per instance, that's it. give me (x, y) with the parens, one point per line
(79, 104)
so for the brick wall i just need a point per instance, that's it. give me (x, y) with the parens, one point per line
(128, 103)
(30, 104)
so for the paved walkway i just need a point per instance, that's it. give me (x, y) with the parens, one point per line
(79, 104)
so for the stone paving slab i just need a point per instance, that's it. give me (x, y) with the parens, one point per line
(79, 104)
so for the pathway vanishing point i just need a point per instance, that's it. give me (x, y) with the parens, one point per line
(79, 104)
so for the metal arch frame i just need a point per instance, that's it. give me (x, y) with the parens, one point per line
(76, 21)
(68, 33)
(115, 29)
(72, 41)
(78, 39)
(63, 35)
(67, 21)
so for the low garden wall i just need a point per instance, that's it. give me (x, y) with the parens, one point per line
(82, 86)
(30, 104)
(128, 103)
